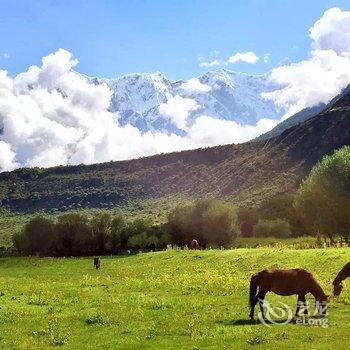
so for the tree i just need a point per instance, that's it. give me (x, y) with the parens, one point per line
(219, 223)
(152, 241)
(39, 235)
(282, 207)
(139, 225)
(118, 234)
(247, 218)
(100, 225)
(323, 199)
(165, 239)
(272, 228)
(73, 235)
(207, 220)
(21, 242)
(278, 207)
(178, 224)
(138, 241)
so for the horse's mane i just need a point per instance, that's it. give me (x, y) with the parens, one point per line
(317, 290)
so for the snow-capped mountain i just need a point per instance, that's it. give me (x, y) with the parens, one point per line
(229, 95)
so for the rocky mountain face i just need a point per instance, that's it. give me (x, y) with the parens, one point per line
(229, 95)
(301, 116)
(295, 119)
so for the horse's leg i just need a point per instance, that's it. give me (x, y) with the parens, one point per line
(255, 301)
(251, 314)
(299, 302)
(306, 309)
(261, 297)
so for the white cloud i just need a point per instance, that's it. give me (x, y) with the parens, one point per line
(50, 115)
(284, 62)
(332, 31)
(177, 110)
(248, 57)
(211, 60)
(208, 131)
(5, 81)
(208, 64)
(7, 157)
(324, 74)
(266, 58)
(194, 85)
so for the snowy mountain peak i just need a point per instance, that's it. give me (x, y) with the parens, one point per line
(228, 95)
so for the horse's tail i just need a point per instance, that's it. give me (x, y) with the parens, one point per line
(253, 289)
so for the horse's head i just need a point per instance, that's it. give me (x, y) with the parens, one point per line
(337, 288)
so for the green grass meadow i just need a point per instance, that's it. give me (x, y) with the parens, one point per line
(176, 299)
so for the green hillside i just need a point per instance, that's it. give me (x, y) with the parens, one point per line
(165, 300)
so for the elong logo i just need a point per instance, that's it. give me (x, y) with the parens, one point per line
(282, 314)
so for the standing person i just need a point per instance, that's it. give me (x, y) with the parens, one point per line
(97, 262)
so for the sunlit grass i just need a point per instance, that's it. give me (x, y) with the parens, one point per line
(164, 300)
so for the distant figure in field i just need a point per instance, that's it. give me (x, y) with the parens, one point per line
(194, 244)
(152, 247)
(97, 262)
(286, 282)
(341, 276)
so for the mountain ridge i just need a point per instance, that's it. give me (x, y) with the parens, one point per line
(246, 174)
(302, 115)
(232, 96)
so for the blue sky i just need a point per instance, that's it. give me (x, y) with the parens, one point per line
(111, 38)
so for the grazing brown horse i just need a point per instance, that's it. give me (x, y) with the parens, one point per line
(194, 244)
(341, 276)
(285, 282)
(97, 262)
